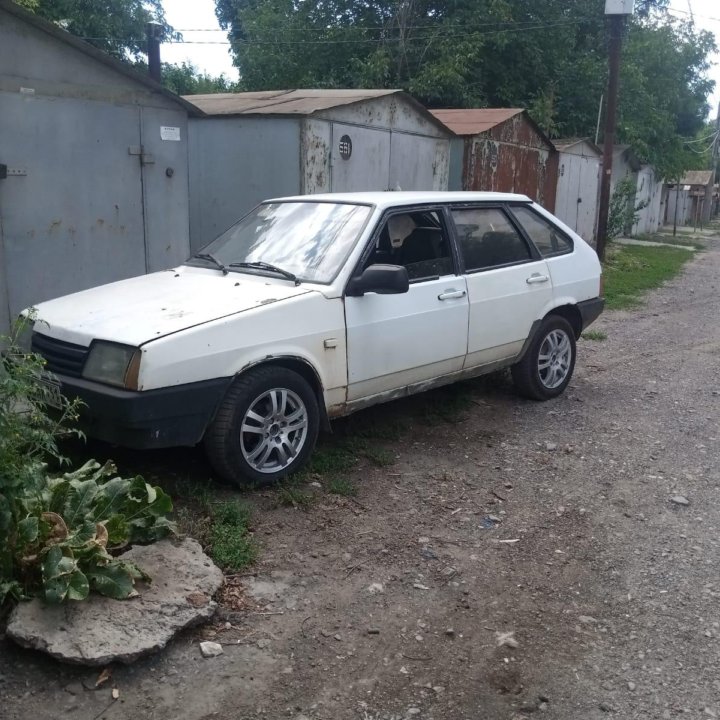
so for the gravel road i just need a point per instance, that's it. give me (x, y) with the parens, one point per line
(516, 559)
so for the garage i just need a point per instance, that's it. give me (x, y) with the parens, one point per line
(251, 146)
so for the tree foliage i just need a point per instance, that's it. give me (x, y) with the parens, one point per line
(549, 56)
(114, 26)
(186, 79)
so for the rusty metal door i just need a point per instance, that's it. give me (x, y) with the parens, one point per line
(71, 208)
(359, 159)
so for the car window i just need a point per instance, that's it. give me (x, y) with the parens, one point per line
(488, 238)
(309, 239)
(418, 241)
(548, 239)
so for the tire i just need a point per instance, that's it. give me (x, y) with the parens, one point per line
(265, 428)
(547, 367)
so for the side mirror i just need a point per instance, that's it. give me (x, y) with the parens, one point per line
(381, 279)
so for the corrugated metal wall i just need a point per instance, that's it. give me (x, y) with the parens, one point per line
(511, 157)
(81, 206)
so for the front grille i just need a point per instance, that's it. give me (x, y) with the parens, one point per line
(62, 358)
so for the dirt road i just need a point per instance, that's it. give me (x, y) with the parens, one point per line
(515, 559)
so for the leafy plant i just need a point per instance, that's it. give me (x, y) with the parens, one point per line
(61, 529)
(623, 212)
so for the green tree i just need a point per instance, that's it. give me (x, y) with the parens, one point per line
(114, 26)
(549, 56)
(186, 79)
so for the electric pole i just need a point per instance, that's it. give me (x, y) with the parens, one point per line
(617, 12)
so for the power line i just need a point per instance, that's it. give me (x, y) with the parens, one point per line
(390, 26)
(380, 40)
(692, 15)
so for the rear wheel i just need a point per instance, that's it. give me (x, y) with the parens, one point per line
(547, 367)
(266, 427)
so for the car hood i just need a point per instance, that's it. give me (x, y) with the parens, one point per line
(148, 307)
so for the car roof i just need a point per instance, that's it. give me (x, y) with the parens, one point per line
(398, 198)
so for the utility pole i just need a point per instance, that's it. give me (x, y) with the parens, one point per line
(716, 157)
(617, 12)
(153, 33)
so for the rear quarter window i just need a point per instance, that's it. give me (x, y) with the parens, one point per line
(548, 239)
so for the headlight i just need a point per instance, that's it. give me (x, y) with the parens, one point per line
(113, 364)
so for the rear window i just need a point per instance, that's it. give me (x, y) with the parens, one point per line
(488, 239)
(548, 239)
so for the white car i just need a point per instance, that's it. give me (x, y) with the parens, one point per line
(313, 307)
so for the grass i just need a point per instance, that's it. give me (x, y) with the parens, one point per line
(446, 404)
(342, 486)
(672, 240)
(222, 528)
(597, 335)
(631, 270)
(289, 494)
(379, 456)
(232, 545)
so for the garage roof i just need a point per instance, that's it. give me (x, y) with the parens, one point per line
(697, 177)
(282, 102)
(475, 120)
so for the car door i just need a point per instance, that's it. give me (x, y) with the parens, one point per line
(571, 280)
(398, 340)
(508, 283)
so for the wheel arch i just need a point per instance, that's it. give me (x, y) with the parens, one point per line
(571, 314)
(302, 367)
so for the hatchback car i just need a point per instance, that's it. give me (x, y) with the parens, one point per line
(313, 307)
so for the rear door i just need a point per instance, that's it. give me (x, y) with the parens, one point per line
(508, 283)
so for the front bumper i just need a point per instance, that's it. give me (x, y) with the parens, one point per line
(167, 417)
(590, 310)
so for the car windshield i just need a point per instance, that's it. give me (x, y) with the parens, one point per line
(309, 240)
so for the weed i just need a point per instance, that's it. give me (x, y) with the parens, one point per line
(332, 459)
(342, 486)
(232, 545)
(446, 404)
(292, 496)
(379, 456)
(632, 270)
(598, 335)
(194, 524)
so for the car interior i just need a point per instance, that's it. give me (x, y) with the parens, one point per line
(416, 241)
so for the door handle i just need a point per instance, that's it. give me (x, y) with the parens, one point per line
(450, 294)
(537, 278)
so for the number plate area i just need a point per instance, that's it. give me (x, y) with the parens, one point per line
(51, 391)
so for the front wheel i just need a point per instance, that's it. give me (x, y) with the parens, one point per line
(547, 366)
(266, 427)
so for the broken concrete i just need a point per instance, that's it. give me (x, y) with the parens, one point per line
(99, 630)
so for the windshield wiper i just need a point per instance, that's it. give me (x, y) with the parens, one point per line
(212, 259)
(266, 266)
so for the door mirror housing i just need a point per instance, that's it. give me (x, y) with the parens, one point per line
(380, 279)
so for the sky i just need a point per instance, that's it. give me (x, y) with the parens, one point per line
(191, 16)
